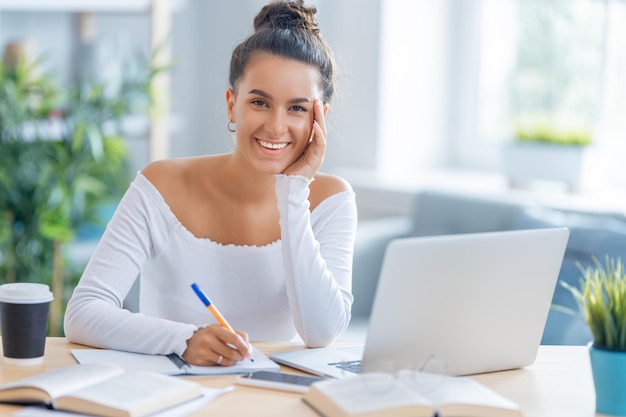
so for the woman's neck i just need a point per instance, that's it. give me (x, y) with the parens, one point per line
(244, 182)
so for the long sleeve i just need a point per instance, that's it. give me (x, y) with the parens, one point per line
(317, 259)
(94, 314)
(145, 239)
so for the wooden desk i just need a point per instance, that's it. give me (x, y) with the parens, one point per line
(558, 384)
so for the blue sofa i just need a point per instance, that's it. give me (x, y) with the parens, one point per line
(436, 212)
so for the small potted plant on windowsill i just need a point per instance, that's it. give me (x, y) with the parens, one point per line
(601, 299)
(543, 151)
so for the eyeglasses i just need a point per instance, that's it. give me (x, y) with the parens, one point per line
(423, 378)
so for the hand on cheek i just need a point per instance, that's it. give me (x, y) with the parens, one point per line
(310, 161)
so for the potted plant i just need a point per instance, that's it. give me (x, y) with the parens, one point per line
(62, 156)
(543, 150)
(601, 299)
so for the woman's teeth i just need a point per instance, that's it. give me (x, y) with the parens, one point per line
(270, 145)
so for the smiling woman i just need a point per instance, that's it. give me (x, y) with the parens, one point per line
(266, 234)
(274, 107)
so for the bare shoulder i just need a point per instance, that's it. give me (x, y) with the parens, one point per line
(166, 174)
(174, 178)
(326, 185)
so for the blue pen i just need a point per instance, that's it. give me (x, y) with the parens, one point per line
(218, 316)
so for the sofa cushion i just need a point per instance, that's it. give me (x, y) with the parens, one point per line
(372, 238)
(443, 213)
(591, 237)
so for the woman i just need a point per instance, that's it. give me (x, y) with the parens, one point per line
(268, 237)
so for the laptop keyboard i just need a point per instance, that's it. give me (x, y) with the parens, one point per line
(350, 366)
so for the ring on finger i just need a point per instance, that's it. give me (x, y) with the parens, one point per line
(219, 360)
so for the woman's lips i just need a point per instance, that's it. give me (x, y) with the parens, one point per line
(272, 147)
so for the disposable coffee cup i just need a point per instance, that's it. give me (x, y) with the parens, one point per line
(24, 311)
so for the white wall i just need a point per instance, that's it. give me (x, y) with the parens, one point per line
(413, 94)
(352, 28)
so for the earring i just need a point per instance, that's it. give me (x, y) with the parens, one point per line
(231, 126)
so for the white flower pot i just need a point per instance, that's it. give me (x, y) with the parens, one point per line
(525, 162)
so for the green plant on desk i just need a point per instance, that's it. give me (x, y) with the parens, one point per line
(62, 156)
(602, 301)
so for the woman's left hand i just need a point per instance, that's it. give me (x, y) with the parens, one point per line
(310, 161)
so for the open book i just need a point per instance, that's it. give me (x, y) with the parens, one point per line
(381, 395)
(171, 364)
(102, 390)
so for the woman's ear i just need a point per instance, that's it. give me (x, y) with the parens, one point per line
(326, 107)
(230, 104)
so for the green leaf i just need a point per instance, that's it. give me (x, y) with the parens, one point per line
(601, 300)
(95, 141)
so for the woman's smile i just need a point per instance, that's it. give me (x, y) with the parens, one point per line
(272, 146)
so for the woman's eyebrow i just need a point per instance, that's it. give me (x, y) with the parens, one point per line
(260, 93)
(269, 97)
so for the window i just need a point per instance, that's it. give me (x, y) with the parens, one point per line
(550, 63)
(505, 64)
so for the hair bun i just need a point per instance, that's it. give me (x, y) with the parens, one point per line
(287, 14)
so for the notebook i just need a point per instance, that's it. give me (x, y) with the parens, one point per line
(478, 302)
(171, 364)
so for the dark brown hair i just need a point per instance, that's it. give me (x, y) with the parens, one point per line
(287, 28)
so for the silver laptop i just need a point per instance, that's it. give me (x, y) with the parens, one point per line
(478, 302)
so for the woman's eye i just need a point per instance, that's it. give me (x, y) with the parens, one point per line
(259, 103)
(299, 108)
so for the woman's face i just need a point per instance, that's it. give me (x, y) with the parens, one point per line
(272, 108)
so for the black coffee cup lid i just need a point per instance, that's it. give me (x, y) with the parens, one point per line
(25, 293)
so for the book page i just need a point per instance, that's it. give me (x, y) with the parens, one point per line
(60, 381)
(464, 396)
(138, 393)
(371, 392)
(208, 396)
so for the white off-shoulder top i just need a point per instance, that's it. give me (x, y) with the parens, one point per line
(299, 285)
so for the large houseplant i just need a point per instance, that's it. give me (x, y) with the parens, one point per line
(62, 156)
(601, 299)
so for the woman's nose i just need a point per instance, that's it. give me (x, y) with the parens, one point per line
(276, 124)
